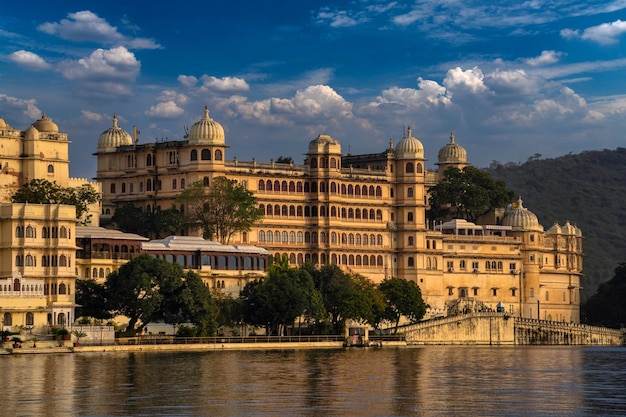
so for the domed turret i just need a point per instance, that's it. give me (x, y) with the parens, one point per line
(409, 147)
(555, 229)
(46, 125)
(113, 137)
(3, 124)
(452, 153)
(324, 144)
(520, 218)
(206, 131)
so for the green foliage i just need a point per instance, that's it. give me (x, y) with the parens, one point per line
(159, 224)
(606, 307)
(404, 298)
(466, 194)
(221, 209)
(41, 191)
(91, 297)
(147, 289)
(284, 160)
(587, 189)
(286, 294)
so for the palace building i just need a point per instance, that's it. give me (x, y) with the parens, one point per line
(365, 213)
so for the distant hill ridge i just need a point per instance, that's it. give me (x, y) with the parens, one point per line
(589, 190)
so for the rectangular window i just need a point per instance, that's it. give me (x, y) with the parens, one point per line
(494, 291)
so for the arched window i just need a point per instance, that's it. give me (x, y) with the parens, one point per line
(364, 191)
(333, 187)
(149, 185)
(322, 187)
(379, 215)
(113, 188)
(333, 163)
(299, 187)
(285, 237)
(371, 191)
(261, 236)
(292, 187)
(283, 186)
(141, 187)
(411, 241)
(30, 319)
(379, 261)
(299, 211)
(261, 185)
(351, 213)
(194, 155)
(292, 211)
(313, 187)
(62, 260)
(276, 210)
(29, 260)
(357, 190)
(333, 211)
(62, 288)
(299, 237)
(63, 232)
(323, 211)
(379, 240)
(307, 237)
(30, 232)
(409, 169)
(419, 168)
(357, 213)
(411, 262)
(292, 237)
(284, 211)
(379, 191)
(409, 192)
(307, 187)
(277, 236)
(313, 211)
(313, 162)
(149, 160)
(50, 169)
(276, 186)
(409, 216)
(205, 155)
(344, 189)
(350, 189)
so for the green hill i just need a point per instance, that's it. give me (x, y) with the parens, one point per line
(589, 190)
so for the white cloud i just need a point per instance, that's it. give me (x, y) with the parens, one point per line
(429, 93)
(86, 26)
(223, 84)
(546, 58)
(171, 95)
(166, 110)
(187, 80)
(105, 64)
(94, 117)
(604, 34)
(27, 106)
(29, 60)
(469, 80)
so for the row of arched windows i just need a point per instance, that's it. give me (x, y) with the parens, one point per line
(46, 232)
(151, 185)
(46, 260)
(205, 155)
(97, 273)
(411, 168)
(7, 319)
(312, 187)
(324, 237)
(369, 261)
(313, 211)
(324, 163)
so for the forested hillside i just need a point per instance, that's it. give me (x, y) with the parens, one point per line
(589, 190)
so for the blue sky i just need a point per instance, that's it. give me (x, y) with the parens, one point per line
(510, 78)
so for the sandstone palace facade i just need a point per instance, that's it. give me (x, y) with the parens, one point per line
(365, 213)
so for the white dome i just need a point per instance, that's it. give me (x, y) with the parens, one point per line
(113, 137)
(3, 124)
(324, 144)
(46, 125)
(409, 148)
(452, 152)
(206, 131)
(520, 218)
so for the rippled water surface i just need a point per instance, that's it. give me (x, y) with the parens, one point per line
(419, 381)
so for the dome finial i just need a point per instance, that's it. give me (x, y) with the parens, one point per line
(115, 120)
(206, 112)
(519, 202)
(451, 137)
(409, 132)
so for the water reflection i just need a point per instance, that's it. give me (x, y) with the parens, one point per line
(420, 381)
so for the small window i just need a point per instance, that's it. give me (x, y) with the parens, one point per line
(194, 155)
(50, 169)
(218, 155)
(205, 155)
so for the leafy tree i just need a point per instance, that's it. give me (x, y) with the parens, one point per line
(279, 299)
(148, 289)
(42, 191)
(403, 298)
(347, 297)
(91, 297)
(159, 224)
(284, 160)
(467, 194)
(220, 209)
(606, 307)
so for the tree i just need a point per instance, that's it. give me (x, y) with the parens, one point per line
(148, 289)
(41, 191)
(160, 223)
(403, 298)
(606, 307)
(91, 297)
(467, 194)
(220, 209)
(284, 160)
(286, 294)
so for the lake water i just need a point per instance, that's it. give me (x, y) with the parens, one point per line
(415, 381)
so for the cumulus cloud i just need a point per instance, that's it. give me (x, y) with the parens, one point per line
(546, 58)
(187, 80)
(428, 94)
(29, 60)
(28, 107)
(94, 117)
(469, 80)
(166, 110)
(112, 64)
(223, 84)
(604, 34)
(86, 26)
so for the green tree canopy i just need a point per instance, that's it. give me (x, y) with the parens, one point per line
(41, 191)
(403, 298)
(606, 307)
(157, 224)
(91, 297)
(221, 209)
(466, 194)
(148, 289)
(286, 294)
